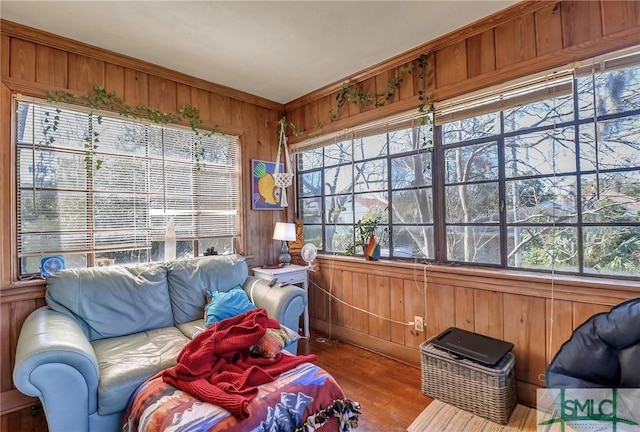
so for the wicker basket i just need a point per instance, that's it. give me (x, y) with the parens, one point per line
(488, 392)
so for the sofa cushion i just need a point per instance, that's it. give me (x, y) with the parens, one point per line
(189, 279)
(192, 328)
(112, 301)
(126, 362)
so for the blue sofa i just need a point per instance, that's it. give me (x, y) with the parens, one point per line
(105, 330)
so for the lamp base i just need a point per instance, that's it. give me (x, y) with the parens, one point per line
(284, 257)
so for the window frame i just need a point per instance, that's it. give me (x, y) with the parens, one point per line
(198, 242)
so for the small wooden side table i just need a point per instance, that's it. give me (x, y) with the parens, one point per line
(291, 274)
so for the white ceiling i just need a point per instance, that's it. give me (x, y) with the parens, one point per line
(279, 50)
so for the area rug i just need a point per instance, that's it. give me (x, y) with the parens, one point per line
(442, 417)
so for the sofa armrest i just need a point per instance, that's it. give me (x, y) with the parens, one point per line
(283, 303)
(56, 363)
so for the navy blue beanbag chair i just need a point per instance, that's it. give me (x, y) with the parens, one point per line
(603, 352)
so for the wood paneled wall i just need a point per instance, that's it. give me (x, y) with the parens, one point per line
(370, 303)
(527, 38)
(34, 62)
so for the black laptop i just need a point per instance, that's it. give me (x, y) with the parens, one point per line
(473, 346)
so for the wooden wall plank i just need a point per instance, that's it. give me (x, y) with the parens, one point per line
(481, 54)
(324, 111)
(347, 296)
(619, 15)
(162, 94)
(236, 113)
(6, 367)
(136, 87)
(515, 41)
(414, 305)
(200, 100)
(451, 64)
(548, 22)
(523, 318)
(406, 89)
(384, 85)
(337, 290)
(559, 325)
(441, 312)
(396, 303)
(360, 291)
(220, 110)
(114, 79)
(311, 116)
(85, 73)
(51, 66)
(22, 60)
(488, 313)
(581, 22)
(5, 43)
(583, 311)
(464, 305)
(379, 306)
(183, 96)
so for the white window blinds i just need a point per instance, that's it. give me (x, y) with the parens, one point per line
(147, 175)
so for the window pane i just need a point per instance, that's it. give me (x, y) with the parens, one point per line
(476, 244)
(542, 113)
(611, 197)
(310, 184)
(370, 205)
(136, 256)
(415, 138)
(472, 203)
(51, 169)
(338, 237)
(338, 153)
(547, 199)
(546, 247)
(310, 159)
(224, 245)
(472, 163)
(612, 250)
(616, 91)
(370, 175)
(546, 152)
(413, 242)
(311, 210)
(313, 234)
(411, 171)
(31, 264)
(618, 144)
(339, 209)
(338, 180)
(412, 206)
(471, 128)
(370, 147)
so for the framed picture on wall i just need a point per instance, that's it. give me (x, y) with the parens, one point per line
(265, 195)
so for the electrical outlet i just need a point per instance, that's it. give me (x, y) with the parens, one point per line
(418, 323)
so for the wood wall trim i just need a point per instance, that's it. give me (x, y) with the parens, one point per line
(9, 28)
(22, 291)
(479, 26)
(544, 62)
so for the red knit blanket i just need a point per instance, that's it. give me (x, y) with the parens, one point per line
(217, 366)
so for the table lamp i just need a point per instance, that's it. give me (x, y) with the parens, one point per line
(285, 232)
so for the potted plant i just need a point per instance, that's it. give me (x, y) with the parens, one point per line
(368, 235)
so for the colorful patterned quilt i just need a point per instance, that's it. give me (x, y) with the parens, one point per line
(304, 399)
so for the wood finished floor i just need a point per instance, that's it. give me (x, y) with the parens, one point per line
(388, 391)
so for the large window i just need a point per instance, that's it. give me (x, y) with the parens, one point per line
(367, 176)
(113, 205)
(541, 175)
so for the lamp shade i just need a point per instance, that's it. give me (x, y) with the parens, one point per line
(284, 231)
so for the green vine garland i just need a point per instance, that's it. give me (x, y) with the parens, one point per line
(352, 93)
(99, 99)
